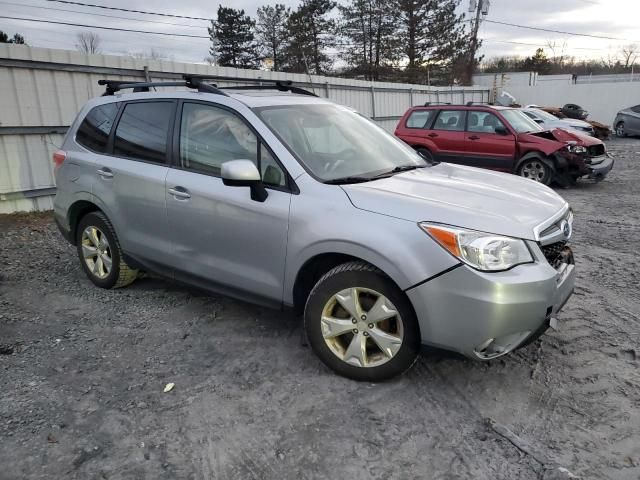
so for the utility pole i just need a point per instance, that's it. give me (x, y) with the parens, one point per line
(481, 9)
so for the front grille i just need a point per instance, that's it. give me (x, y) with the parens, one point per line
(553, 253)
(596, 150)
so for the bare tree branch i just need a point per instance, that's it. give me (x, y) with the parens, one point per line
(88, 42)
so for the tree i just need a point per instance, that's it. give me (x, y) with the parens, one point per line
(537, 63)
(16, 39)
(271, 31)
(232, 39)
(432, 38)
(88, 42)
(310, 31)
(629, 55)
(368, 26)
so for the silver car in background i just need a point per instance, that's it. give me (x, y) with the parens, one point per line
(627, 122)
(548, 121)
(279, 197)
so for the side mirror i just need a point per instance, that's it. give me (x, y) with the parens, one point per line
(244, 173)
(500, 130)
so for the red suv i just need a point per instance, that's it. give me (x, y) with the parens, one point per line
(502, 138)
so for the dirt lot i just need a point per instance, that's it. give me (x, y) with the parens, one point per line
(83, 371)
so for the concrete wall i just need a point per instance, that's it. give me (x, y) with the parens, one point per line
(41, 90)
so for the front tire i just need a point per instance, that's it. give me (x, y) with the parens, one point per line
(360, 324)
(620, 131)
(100, 253)
(535, 169)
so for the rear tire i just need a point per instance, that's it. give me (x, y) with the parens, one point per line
(426, 153)
(360, 324)
(100, 253)
(535, 169)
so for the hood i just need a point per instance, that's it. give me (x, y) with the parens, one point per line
(549, 141)
(466, 197)
(572, 122)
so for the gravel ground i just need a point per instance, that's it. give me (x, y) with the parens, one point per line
(83, 371)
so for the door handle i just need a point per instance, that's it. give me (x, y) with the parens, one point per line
(105, 173)
(474, 137)
(432, 135)
(179, 192)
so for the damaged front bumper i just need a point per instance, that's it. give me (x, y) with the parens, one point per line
(600, 167)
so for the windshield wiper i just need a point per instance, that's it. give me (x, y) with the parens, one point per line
(398, 169)
(347, 180)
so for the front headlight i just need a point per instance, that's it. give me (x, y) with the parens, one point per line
(482, 251)
(576, 149)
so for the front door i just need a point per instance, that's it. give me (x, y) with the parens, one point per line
(484, 147)
(222, 239)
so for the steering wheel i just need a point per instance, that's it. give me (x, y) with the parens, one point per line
(346, 154)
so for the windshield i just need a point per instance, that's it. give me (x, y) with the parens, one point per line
(334, 142)
(547, 117)
(520, 122)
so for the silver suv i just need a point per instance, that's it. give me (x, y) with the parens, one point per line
(276, 196)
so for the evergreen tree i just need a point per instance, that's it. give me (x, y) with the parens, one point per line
(271, 31)
(232, 38)
(311, 31)
(368, 26)
(432, 38)
(17, 38)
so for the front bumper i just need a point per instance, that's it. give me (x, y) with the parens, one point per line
(600, 166)
(486, 315)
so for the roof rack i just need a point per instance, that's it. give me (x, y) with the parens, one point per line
(436, 103)
(280, 85)
(114, 86)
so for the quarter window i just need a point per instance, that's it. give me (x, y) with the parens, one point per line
(484, 122)
(210, 136)
(94, 130)
(142, 131)
(452, 120)
(420, 118)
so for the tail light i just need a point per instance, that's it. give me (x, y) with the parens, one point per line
(59, 158)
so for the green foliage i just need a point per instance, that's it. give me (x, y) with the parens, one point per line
(371, 46)
(272, 33)
(311, 32)
(232, 39)
(17, 38)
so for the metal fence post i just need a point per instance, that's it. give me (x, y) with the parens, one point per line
(373, 102)
(326, 88)
(411, 97)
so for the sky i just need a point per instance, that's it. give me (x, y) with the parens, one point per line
(608, 18)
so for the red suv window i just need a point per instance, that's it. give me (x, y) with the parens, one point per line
(451, 120)
(420, 118)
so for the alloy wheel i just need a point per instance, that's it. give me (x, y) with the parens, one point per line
(534, 170)
(362, 327)
(620, 129)
(96, 252)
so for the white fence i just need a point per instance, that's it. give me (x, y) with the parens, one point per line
(41, 90)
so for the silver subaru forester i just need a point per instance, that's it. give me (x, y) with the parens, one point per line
(273, 195)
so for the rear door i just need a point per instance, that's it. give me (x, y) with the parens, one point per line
(634, 120)
(129, 183)
(447, 134)
(484, 147)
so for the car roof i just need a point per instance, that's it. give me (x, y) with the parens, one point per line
(475, 106)
(250, 98)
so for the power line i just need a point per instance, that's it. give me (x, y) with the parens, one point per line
(493, 40)
(103, 15)
(105, 28)
(127, 10)
(539, 29)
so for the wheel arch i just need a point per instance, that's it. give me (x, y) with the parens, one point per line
(76, 211)
(546, 159)
(316, 266)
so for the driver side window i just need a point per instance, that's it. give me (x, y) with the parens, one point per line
(210, 136)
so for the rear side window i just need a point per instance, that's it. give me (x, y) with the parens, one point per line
(141, 133)
(94, 130)
(452, 120)
(636, 109)
(420, 119)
